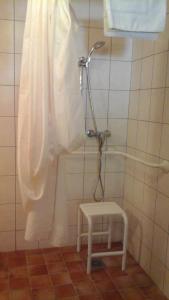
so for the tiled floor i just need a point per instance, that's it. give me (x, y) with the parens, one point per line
(60, 273)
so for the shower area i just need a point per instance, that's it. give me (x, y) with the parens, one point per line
(125, 88)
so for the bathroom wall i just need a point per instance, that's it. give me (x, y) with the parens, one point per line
(146, 193)
(110, 81)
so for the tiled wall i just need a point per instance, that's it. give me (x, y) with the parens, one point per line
(146, 195)
(110, 81)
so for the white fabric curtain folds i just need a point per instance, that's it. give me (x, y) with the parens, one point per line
(50, 118)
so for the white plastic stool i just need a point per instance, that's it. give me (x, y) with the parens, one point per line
(110, 209)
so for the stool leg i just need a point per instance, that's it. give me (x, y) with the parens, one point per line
(125, 243)
(89, 245)
(110, 232)
(79, 230)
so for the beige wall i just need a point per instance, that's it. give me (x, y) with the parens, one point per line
(146, 194)
(110, 80)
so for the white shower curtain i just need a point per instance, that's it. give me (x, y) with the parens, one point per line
(50, 118)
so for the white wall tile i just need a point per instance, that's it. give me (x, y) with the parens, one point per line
(6, 9)
(163, 185)
(118, 128)
(132, 133)
(157, 272)
(20, 9)
(81, 9)
(142, 131)
(96, 13)
(17, 68)
(144, 105)
(7, 241)
(154, 138)
(7, 189)
(162, 212)
(73, 186)
(120, 75)
(146, 72)
(6, 69)
(22, 244)
(6, 36)
(157, 105)
(100, 104)
(121, 49)
(160, 238)
(147, 48)
(164, 151)
(166, 107)
(99, 74)
(118, 104)
(96, 34)
(7, 220)
(7, 134)
(6, 101)
(20, 217)
(7, 161)
(159, 70)
(133, 104)
(135, 75)
(19, 31)
(113, 185)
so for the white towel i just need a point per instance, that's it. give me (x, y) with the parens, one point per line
(126, 18)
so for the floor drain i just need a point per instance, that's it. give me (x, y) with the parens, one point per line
(97, 264)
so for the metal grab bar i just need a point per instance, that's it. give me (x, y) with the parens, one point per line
(164, 165)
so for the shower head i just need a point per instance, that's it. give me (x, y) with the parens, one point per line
(83, 61)
(96, 46)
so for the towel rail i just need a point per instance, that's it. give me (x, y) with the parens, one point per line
(164, 165)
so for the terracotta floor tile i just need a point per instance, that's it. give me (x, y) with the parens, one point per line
(52, 257)
(68, 249)
(75, 266)
(133, 294)
(143, 280)
(99, 275)
(4, 284)
(20, 295)
(61, 278)
(64, 291)
(35, 259)
(4, 295)
(123, 282)
(16, 261)
(56, 267)
(133, 269)
(18, 272)
(33, 251)
(18, 283)
(115, 272)
(91, 297)
(43, 294)
(4, 274)
(37, 270)
(153, 293)
(85, 287)
(111, 261)
(113, 295)
(56, 250)
(40, 282)
(104, 286)
(71, 257)
(78, 276)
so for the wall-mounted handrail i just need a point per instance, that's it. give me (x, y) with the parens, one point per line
(164, 165)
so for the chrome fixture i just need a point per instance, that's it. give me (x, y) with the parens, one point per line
(100, 136)
(84, 61)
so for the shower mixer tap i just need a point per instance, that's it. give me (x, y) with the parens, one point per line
(91, 133)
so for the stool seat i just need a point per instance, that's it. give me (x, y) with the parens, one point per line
(109, 209)
(101, 209)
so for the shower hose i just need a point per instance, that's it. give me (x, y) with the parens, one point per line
(100, 137)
